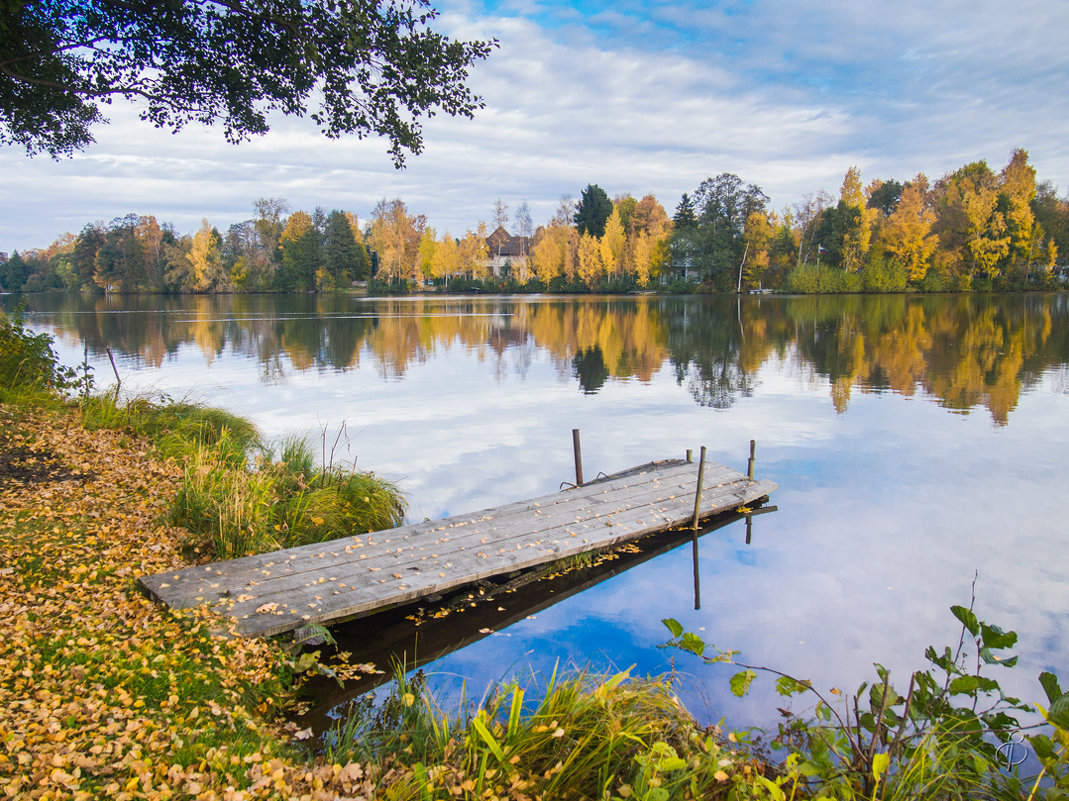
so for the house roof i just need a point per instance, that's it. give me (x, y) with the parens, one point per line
(501, 242)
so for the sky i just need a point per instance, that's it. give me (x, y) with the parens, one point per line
(637, 97)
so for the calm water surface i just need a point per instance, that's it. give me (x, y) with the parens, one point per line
(916, 442)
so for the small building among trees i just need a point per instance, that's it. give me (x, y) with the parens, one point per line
(507, 253)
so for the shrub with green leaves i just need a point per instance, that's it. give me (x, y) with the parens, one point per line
(27, 361)
(947, 737)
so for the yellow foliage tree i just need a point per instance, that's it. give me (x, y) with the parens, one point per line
(205, 259)
(857, 239)
(906, 235)
(589, 266)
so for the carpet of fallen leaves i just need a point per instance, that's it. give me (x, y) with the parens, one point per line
(104, 693)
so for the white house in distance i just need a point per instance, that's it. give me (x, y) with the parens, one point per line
(508, 251)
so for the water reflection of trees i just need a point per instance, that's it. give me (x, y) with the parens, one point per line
(966, 351)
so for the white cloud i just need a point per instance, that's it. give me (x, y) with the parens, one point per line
(635, 99)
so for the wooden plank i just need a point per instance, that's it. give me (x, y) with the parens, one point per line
(532, 517)
(516, 557)
(368, 554)
(276, 592)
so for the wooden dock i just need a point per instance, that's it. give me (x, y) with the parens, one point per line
(356, 576)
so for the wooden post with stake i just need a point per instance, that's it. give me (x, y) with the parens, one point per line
(749, 465)
(698, 493)
(578, 458)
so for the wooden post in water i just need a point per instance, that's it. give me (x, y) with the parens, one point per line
(690, 455)
(578, 458)
(697, 580)
(698, 493)
(749, 465)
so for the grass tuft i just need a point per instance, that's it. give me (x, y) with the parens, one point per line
(239, 509)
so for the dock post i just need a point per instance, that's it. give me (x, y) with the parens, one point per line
(698, 493)
(697, 578)
(578, 458)
(690, 455)
(749, 465)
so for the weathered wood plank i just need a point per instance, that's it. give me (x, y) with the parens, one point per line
(276, 592)
(528, 517)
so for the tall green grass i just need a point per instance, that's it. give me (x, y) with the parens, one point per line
(588, 737)
(177, 428)
(239, 507)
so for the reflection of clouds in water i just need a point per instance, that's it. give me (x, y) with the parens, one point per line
(886, 509)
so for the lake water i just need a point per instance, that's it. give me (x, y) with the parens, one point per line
(916, 442)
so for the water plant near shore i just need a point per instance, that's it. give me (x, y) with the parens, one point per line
(588, 737)
(949, 737)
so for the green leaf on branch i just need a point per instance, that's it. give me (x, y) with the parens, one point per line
(1042, 745)
(968, 619)
(993, 659)
(1059, 712)
(785, 685)
(674, 626)
(740, 682)
(966, 685)
(879, 697)
(994, 637)
(1050, 686)
(693, 643)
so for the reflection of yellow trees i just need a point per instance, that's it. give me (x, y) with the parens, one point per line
(630, 336)
(966, 351)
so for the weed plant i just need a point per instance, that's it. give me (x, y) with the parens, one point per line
(589, 737)
(949, 737)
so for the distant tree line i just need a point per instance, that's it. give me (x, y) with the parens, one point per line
(973, 229)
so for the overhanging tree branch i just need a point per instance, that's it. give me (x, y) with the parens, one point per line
(356, 68)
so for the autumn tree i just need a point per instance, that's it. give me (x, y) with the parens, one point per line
(89, 241)
(119, 265)
(428, 244)
(472, 252)
(394, 235)
(1017, 189)
(760, 227)
(300, 247)
(589, 266)
(906, 235)
(714, 245)
(648, 216)
(972, 231)
(855, 221)
(206, 259)
(613, 246)
(445, 262)
(371, 68)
